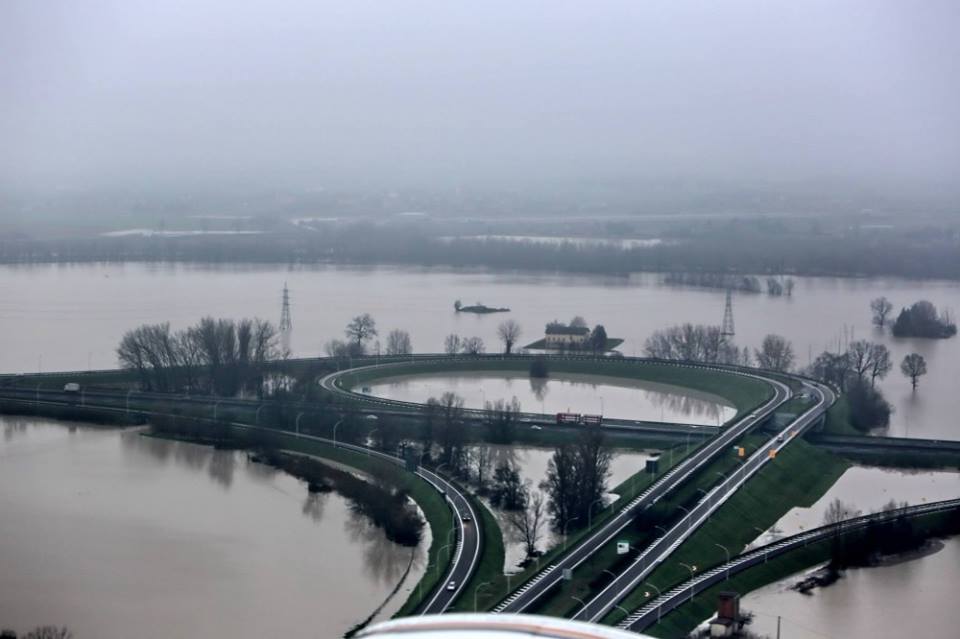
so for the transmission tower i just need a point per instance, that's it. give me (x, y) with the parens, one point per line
(726, 330)
(286, 325)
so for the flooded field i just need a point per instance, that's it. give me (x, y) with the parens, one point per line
(76, 315)
(117, 535)
(563, 392)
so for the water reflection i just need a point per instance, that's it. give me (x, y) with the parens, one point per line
(205, 525)
(613, 397)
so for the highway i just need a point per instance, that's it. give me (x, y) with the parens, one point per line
(467, 544)
(527, 594)
(658, 551)
(465, 549)
(651, 612)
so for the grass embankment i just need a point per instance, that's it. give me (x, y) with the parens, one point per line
(838, 419)
(435, 509)
(798, 477)
(744, 393)
(592, 576)
(680, 621)
(431, 503)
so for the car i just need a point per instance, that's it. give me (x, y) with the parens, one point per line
(535, 427)
(466, 519)
(452, 585)
(71, 387)
(780, 438)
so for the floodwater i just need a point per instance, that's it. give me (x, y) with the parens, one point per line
(114, 534)
(868, 489)
(71, 317)
(563, 392)
(910, 599)
(532, 463)
(887, 601)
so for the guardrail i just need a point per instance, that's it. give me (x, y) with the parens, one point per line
(661, 548)
(652, 611)
(530, 591)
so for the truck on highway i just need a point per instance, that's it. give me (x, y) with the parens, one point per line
(71, 387)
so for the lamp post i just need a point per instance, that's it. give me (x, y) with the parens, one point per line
(476, 592)
(216, 404)
(659, 594)
(128, 400)
(727, 571)
(296, 424)
(688, 517)
(38, 397)
(565, 524)
(590, 512)
(370, 437)
(335, 432)
(659, 527)
(256, 417)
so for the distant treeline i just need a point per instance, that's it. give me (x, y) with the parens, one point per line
(729, 249)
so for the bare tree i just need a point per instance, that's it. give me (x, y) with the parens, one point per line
(361, 329)
(452, 344)
(788, 286)
(776, 354)
(473, 346)
(880, 362)
(509, 332)
(398, 343)
(482, 460)
(861, 357)
(880, 307)
(578, 322)
(838, 511)
(528, 522)
(913, 366)
(49, 632)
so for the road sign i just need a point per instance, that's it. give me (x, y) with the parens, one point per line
(623, 547)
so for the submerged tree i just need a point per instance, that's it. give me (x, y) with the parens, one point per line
(913, 366)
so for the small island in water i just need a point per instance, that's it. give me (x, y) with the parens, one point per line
(922, 320)
(477, 308)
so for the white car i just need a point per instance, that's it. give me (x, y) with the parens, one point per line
(452, 585)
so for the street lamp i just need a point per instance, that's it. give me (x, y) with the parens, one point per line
(476, 591)
(370, 437)
(590, 512)
(296, 424)
(339, 421)
(579, 600)
(688, 517)
(256, 417)
(215, 405)
(659, 594)
(565, 524)
(727, 576)
(659, 527)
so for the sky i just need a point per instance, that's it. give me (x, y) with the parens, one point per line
(440, 93)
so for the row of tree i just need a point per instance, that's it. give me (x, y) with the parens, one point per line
(743, 283)
(708, 344)
(222, 356)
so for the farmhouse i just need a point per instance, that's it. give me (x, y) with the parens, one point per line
(560, 336)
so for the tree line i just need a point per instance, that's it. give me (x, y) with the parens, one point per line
(221, 356)
(734, 246)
